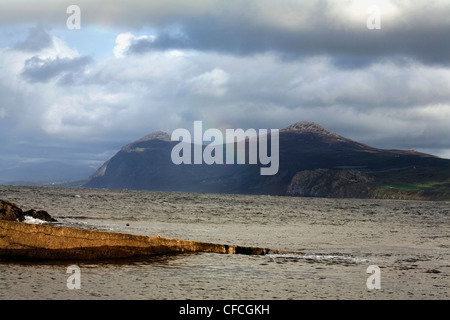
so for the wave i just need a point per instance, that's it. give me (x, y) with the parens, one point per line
(320, 257)
(32, 220)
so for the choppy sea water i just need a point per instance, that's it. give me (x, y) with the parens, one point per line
(338, 239)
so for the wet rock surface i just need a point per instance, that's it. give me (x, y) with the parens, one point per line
(12, 212)
(46, 242)
(30, 241)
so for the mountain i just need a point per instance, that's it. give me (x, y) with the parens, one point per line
(309, 156)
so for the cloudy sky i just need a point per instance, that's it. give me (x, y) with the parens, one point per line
(374, 71)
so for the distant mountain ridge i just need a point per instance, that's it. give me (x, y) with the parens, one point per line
(346, 168)
(43, 172)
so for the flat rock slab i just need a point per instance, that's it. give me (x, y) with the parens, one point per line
(20, 240)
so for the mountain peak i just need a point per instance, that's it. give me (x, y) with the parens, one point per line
(304, 126)
(157, 135)
(309, 127)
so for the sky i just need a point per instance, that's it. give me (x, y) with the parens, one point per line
(377, 72)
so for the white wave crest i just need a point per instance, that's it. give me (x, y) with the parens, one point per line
(320, 257)
(32, 220)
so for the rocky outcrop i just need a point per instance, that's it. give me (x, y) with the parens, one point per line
(40, 241)
(39, 214)
(330, 183)
(20, 240)
(11, 212)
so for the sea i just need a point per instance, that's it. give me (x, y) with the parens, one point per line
(347, 248)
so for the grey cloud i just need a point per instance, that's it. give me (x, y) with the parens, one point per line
(357, 48)
(43, 70)
(36, 40)
(354, 47)
(363, 86)
(293, 29)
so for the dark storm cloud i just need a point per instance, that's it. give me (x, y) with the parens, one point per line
(351, 47)
(36, 40)
(43, 70)
(253, 64)
(417, 29)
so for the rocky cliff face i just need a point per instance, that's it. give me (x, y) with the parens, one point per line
(330, 183)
